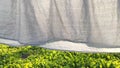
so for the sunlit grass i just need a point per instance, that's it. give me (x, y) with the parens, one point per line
(36, 57)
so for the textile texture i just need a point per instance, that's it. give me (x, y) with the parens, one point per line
(95, 23)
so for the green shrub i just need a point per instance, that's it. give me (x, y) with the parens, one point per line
(36, 57)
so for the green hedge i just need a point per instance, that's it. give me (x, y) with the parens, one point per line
(36, 57)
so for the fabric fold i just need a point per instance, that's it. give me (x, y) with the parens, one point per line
(37, 22)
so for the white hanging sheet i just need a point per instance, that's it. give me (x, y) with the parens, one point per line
(76, 25)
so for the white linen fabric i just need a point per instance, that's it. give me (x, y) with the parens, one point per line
(95, 23)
